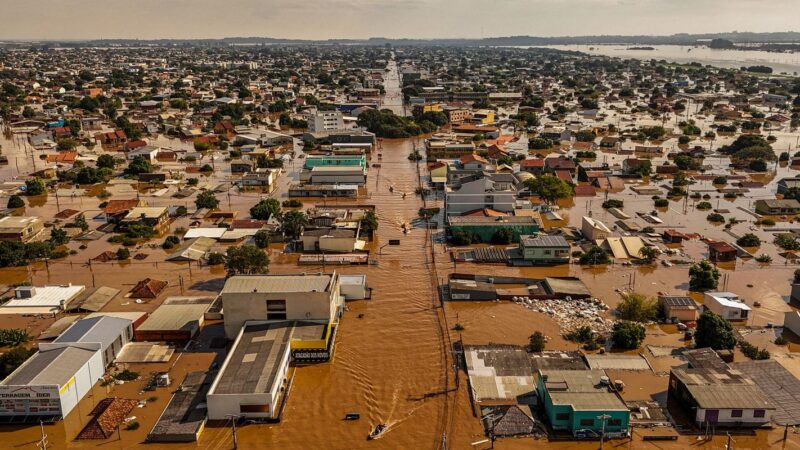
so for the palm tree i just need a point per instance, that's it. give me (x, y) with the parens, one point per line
(292, 223)
(649, 254)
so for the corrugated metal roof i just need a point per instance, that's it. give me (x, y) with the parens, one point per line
(192, 250)
(722, 389)
(56, 366)
(103, 330)
(277, 283)
(177, 313)
(544, 241)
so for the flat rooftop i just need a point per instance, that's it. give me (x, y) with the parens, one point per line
(252, 365)
(278, 283)
(46, 296)
(177, 313)
(182, 418)
(582, 390)
(722, 389)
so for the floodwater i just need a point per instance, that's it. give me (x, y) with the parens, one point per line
(393, 361)
(731, 59)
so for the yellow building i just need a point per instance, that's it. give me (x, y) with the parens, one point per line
(483, 116)
(428, 107)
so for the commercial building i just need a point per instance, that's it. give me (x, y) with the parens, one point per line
(41, 299)
(726, 304)
(334, 175)
(544, 249)
(178, 319)
(51, 382)
(20, 228)
(306, 297)
(487, 227)
(582, 402)
(323, 190)
(253, 377)
(359, 160)
(719, 397)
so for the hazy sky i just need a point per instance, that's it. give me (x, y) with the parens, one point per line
(322, 19)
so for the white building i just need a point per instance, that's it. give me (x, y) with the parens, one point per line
(53, 381)
(326, 121)
(41, 299)
(479, 194)
(594, 229)
(726, 304)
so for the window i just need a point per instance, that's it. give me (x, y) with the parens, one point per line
(587, 422)
(562, 416)
(736, 413)
(547, 252)
(759, 413)
(614, 422)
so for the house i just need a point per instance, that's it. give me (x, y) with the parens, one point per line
(111, 138)
(242, 166)
(719, 397)
(473, 162)
(148, 152)
(262, 178)
(438, 173)
(488, 227)
(20, 228)
(673, 237)
(784, 184)
(153, 216)
(791, 322)
(582, 402)
(721, 252)
(562, 163)
(777, 207)
(148, 288)
(678, 307)
(544, 249)
(594, 229)
(116, 210)
(331, 240)
(533, 165)
(726, 304)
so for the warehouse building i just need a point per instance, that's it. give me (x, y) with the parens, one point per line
(52, 382)
(178, 319)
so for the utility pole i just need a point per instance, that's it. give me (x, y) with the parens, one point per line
(234, 418)
(603, 418)
(43, 441)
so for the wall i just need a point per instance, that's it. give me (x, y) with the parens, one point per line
(725, 417)
(81, 383)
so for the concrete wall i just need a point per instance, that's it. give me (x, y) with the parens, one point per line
(725, 417)
(241, 307)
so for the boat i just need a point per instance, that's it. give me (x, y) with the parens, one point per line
(378, 431)
(352, 416)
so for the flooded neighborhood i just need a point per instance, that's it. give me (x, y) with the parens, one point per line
(243, 244)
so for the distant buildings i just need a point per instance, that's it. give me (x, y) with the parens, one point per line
(20, 228)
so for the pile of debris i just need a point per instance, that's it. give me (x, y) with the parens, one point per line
(571, 314)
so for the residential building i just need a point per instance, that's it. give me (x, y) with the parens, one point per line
(326, 121)
(480, 193)
(719, 397)
(678, 307)
(721, 252)
(777, 207)
(153, 216)
(20, 228)
(544, 249)
(594, 229)
(726, 304)
(581, 402)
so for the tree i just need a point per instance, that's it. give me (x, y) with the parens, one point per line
(540, 143)
(246, 260)
(749, 240)
(170, 242)
(537, 342)
(140, 164)
(714, 331)
(261, 238)
(502, 236)
(703, 276)
(584, 136)
(123, 254)
(628, 335)
(206, 199)
(263, 210)
(594, 256)
(35, 186)
(107, 161)
(58, 237)
(649, 254)
(15, 201)
(638, 308)
(369, 223)
(292, 223)
(80, 222)
(549, 188)
(10, 360)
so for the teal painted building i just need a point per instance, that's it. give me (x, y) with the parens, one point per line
(486, 227)
(335, 160)
(575, 400)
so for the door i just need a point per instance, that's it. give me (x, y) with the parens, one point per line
(712, 415)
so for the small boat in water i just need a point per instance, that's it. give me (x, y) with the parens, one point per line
(352, 416)
(378, 431)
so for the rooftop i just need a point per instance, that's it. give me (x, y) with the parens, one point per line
(101, 329)
(278, 283)
(581, 389)
(722, 389)
(252, 365)
(52, 366)
(177, 313)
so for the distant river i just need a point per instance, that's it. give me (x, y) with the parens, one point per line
(780, 62)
